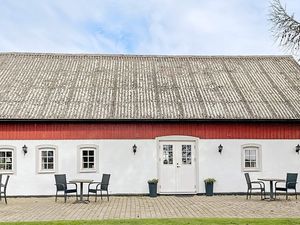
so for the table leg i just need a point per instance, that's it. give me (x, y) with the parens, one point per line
(271, 190)
(81, 191)
(81, 195)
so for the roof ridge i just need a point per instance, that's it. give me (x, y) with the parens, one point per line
(141, 55)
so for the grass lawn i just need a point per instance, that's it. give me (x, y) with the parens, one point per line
(168, 222)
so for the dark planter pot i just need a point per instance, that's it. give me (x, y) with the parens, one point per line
(209, 189)
(152, 190)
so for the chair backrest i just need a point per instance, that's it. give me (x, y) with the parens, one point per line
(61, 179)
(291, 179)
(248, 180)
(105, 181)
(6, 182)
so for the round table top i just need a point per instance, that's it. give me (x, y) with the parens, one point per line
(271, 179)
(81, 181)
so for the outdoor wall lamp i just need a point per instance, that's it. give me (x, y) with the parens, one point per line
(134, 148)
(298, 148)
(24, 148)
(220, 148)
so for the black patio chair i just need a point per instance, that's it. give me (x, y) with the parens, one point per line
(290, 183)
(259, 186)
(100, 186)
(62, 185)
(3, 188)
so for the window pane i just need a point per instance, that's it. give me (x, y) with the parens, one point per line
(251, 157)
(88, 158)
(50, 166)
(247, 164)
(9, 166)
(44, 160)
(6, 160)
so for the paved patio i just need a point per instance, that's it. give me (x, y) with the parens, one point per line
(31, 209)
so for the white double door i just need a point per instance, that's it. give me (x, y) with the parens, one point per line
(177, 167)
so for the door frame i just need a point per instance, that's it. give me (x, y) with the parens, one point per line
(178, 138)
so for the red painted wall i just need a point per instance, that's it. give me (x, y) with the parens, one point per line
(149, 130)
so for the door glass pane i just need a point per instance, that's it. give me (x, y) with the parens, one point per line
(167, 154)
(186, 154)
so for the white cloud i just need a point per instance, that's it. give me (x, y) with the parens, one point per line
(139, 27)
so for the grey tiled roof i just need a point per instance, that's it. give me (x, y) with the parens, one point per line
(64, 86)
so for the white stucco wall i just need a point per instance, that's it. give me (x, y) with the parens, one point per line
(129, 172)
(278, 158)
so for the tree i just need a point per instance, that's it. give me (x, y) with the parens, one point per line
(285, 29)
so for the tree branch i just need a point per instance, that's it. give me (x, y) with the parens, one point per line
(285, 29)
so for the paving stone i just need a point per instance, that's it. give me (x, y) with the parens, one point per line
(124, 207)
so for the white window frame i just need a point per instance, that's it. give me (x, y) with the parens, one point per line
(39, 150)
(256, 147)
(80, 149)
(14, 164)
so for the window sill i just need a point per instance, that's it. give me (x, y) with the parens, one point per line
(87, 171)
(251, 170)
(6, 172)
(46, 172)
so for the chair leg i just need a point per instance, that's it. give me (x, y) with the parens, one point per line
(296, 193)
(65, 196)
(56, 197)
(5, 197)
(247, 194)
(107, 195)
(96, 195)
(250, 193)
(88, 198)
(101, 194)
(286, 195)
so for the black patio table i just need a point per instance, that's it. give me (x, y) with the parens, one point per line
(271, 180)
(81, 181)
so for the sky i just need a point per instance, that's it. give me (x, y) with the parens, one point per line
(160, 27)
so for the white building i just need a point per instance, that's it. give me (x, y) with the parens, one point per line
(82, 114)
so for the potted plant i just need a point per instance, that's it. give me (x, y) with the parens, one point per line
(153, 187)
(209, 186)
